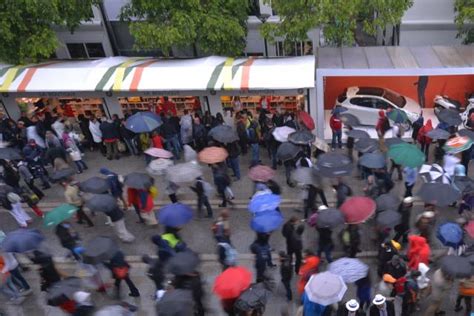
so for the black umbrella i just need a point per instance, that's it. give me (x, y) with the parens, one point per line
(9, 153)
(388, 218)
(223, 134)
(175, 302)
(466, 132)
(456, 266)
(330, 218)
(450, 117)
(301, 138)
(62, 291)
(102, 203)
(99, 249)
(366, 145)
(287, 151)
(22, 240)
(349, 120)
(387, 201)
(375, 160)
(63, 174)
(137, 180)
(393, 141)
(252, 298)
(333, 165)
(357, 133)
(440, 194)
(5, 189)
(183, 263)
(438, 133)
(94, 185)
(464, 184)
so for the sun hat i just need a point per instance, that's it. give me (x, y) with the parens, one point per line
(379, 299)
(408, 200)
(428, 214)
(352, 305)
(388, 278)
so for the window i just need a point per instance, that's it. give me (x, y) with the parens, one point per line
(95, 50)
(294, 49)
(86, 50)
(364, 102)
(77, 50)
(381, 104)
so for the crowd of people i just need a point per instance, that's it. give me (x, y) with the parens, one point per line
(47, 146)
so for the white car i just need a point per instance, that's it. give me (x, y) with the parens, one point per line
(364, 103)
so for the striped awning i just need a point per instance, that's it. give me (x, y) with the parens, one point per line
(129, 74)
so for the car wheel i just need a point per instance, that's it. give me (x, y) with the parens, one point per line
(349, 119)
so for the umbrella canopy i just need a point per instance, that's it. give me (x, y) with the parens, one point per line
(440, 194)
(306, 119)
(223, 134)
(325, 288)
(102, 203)
(334, 165)
(158, 166)
(252, 298)
(366, 145)
(301, 138)
(175, 302)
(63, 290)
(62, 174)
(397, 116)
(321, 145)
(159, 153)
(22, 240)
(183, 263)
(267, 221)
(450, 117)
(281, 133)
(349, 269)
(456, 266)
(287, 151)
(99, 249)
(438, 133)
(458, 144)
(184, 172)
(59, 214)
(358, 209)
(387, 201)
(375, 160)
(466, 132)
(143, 122)
(450, 234)
(469, 228)
(393, 140)
(434, 173)
(407, 155)
(329, 218)
(388, 218)
(211, 155)
(357, 134)
(264, 202)
(137, 180)
(232, 282)
(175, 215)
(9, 153)
(261, 173)
(349, 120)
(464, 184)
(94, 185)
(303, 175)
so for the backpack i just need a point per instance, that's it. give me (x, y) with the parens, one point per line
(230, 254)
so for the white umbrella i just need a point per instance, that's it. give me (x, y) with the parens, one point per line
(350, 269)
(184, 172)
(158, 166)
(281, 133)
(325, 288)
(189, 153)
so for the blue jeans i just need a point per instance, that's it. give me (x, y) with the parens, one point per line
(172, 144)
(80, 165)
(255, 154)
(132, 147)
(336, 134)
(235, 166)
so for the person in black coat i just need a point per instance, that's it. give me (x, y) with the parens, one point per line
(294, 243)
(192, 282)
(286, 273)
(155, 271)
(47, 270)
(68, 238)
(110, 137)
(202, 198)
(120, 271)
(381, 307)
(325, 243)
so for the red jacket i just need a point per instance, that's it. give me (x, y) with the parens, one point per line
(418, 251)
(335, 123)
(141, 198)
(157, 141)
(422, 138)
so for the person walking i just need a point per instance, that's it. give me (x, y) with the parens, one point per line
(120, 272)
(423, 139)
(325, 243)
(28, 178)
(410, 175)
(155, 271)
(466, 292)
(71, 194)
(168, 243)
(117, 218)
(68, 238)
(381, 307)
(350, 237)
(342, 191)
(7, 287)
(115, 186)
(294, 243)
(286, 273)
(12, 267)
(263, 257)
(221, 227)
(441, 284)
(335, 123)
(222, 182)
(94, 128)
(253, 138)
(203, 190)
(364, 291)
(307, 269)
(351, 308)
(13, 205)
(383, 125)
(418, 251)
(233, 159)
(403, 228)
(110, 137)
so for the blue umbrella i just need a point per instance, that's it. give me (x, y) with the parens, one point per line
(264, 202)
(450, 234)
(175, 215)
(266, 222)
(143, 122)
(22, 240)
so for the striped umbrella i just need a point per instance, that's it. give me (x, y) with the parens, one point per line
(458, 144)
(434, 173)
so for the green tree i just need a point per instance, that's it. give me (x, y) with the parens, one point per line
(215, 26)
(465, 20)
(339, 19)
(26, 26)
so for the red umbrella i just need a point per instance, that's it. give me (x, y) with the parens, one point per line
(469, 228)
(307, 120)
(261, 173)
(232, 282)
(358, 209)
(211, 155)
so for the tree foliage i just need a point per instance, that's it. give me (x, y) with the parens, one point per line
(465, 19)
(26, 26)
(337, 18)
(215, 26)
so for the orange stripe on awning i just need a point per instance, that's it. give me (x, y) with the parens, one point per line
(244, 85)
(29, 75)
(138, 74)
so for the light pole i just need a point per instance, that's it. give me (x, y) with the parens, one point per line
(263, 18)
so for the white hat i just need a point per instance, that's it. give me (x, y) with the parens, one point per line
(423, 268)
(13, 197)
(81, 297)
(379, 299)
(352, 305)
(428, 214)
(408, 200)
(322, 207)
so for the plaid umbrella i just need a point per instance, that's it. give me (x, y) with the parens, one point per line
(387, 201)
(366, 145)
(388, 218)
(358, 209)
(212, 155)
(458, 144)
(138, 180)
(357, 133)
(456, 266)
(440, 194)
(350, 269)
(143, 122)
(281, 133)
(261, 173)
(434, 173)
(306, 119)
(374, 160)
(223, 134)
(287, 151)
(301, 137)
(406, 155)
(159, 153)
(94, 185)
(397, 116)
(438, 133)
(450, 117)
(158, 166)
(184, 172)
(325, 288)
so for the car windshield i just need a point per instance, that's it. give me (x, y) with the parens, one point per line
(395, 98)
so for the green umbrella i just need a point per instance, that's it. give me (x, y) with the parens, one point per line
(407, 155)
(59, 214)
(397, 116)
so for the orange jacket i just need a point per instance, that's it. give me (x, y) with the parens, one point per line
(418, 251)
(307, 269)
